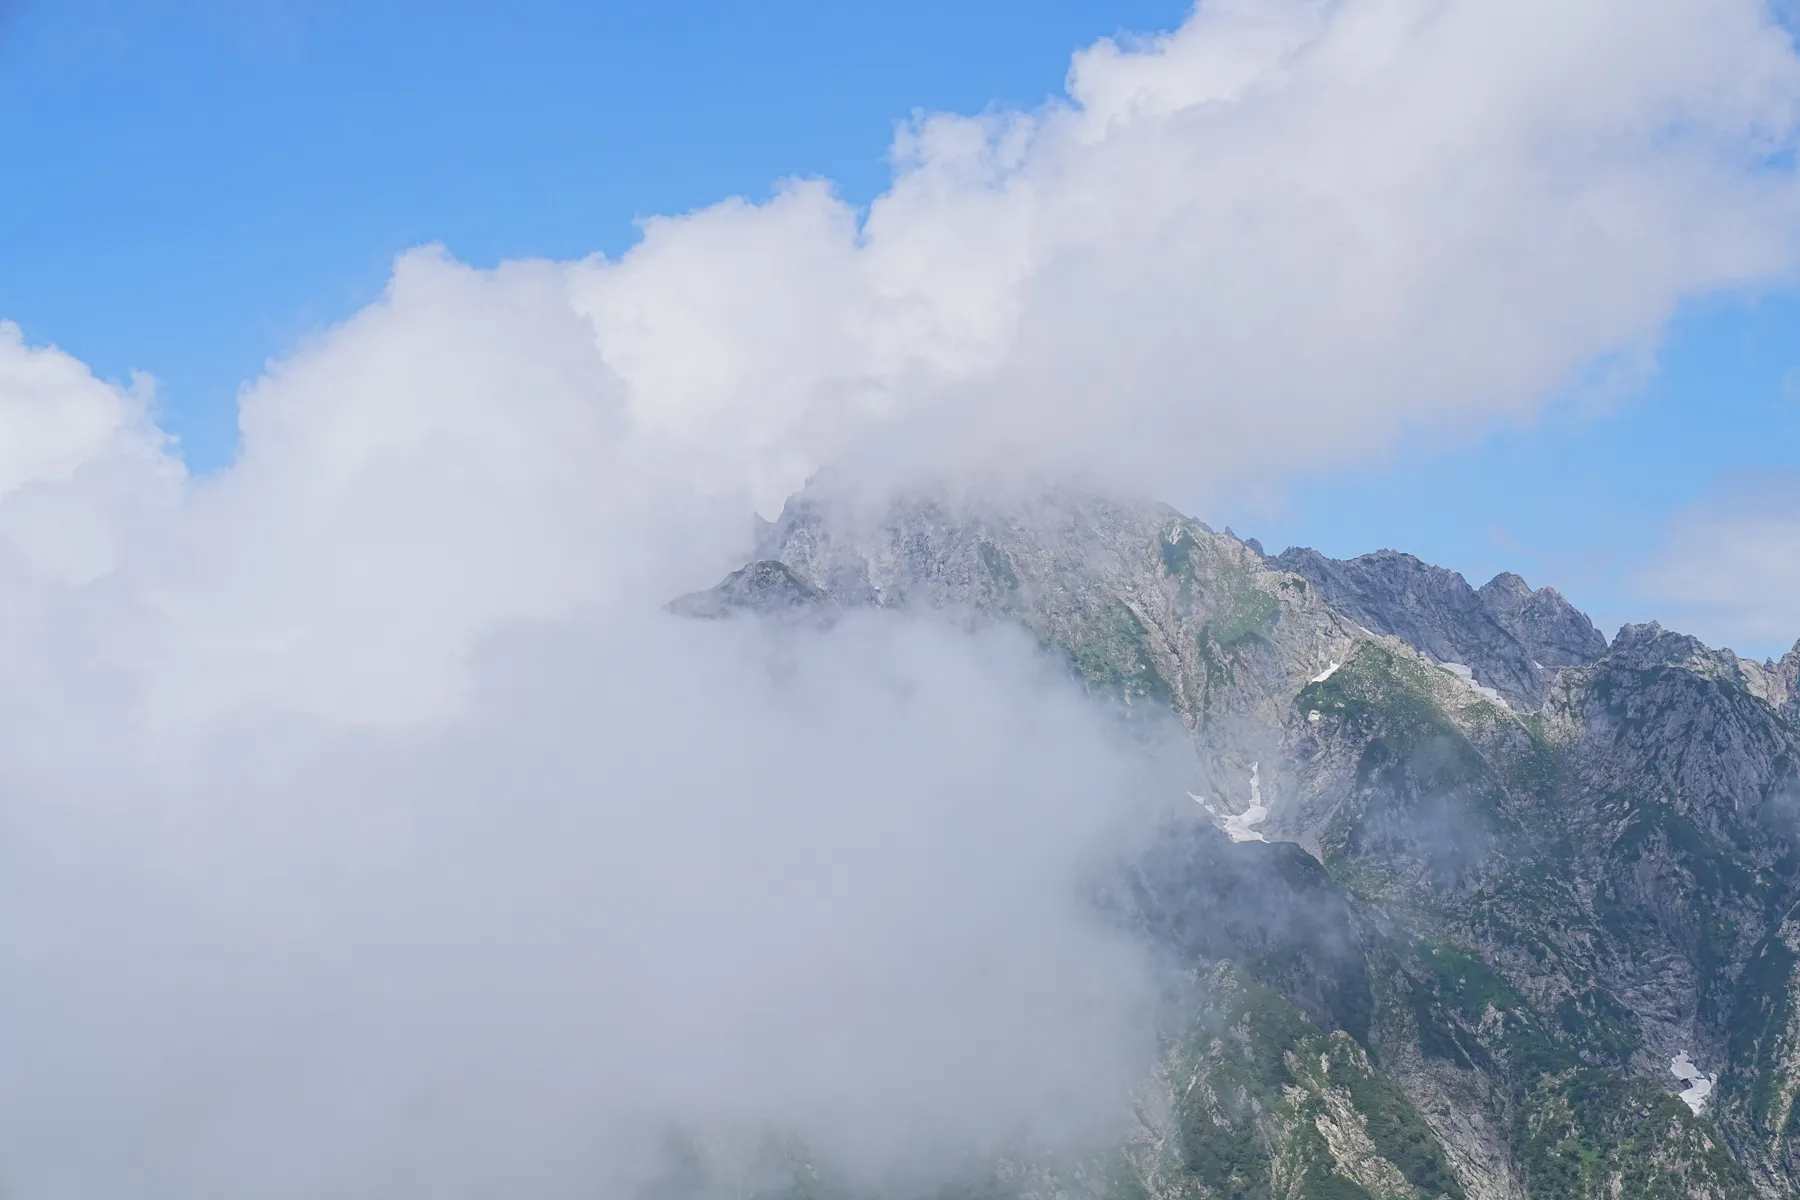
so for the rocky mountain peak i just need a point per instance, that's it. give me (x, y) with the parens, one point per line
(1648, 644)
(1513, 639)
(1552, 631)
(1506, 591)
(1784, 676)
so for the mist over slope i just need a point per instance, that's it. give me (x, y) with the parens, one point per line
(662, 878)
(368, 828)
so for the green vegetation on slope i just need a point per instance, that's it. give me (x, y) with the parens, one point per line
(1589, 1134)
(1268, 1105)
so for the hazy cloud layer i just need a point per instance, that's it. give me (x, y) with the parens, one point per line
(659, 874)
(365, 827)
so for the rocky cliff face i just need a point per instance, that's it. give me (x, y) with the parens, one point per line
(1784, 677)
(1449, 929)
(1512, 638)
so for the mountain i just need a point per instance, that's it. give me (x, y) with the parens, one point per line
(1474, 904)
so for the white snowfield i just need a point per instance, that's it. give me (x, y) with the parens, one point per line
(1328, 672)
(1463, 672)
(1699, 1086)
(1240, 827)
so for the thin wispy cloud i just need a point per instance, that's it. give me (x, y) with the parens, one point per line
(1728, 565)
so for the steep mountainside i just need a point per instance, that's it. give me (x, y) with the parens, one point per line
(1449, 936)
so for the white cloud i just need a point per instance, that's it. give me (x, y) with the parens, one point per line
(1730, 563)
(369, 829)
(358, 790)
(656, 875)
(54, 415)
(1281, 233)
(73, 451)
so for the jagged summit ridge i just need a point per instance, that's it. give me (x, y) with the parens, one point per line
(1648, 645)
(1512, 638)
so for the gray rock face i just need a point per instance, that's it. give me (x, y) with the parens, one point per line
(1513, 638)
(1681, 802)
(1785, 676)
(1553, 632)
(1688, 789)
(1648, 646)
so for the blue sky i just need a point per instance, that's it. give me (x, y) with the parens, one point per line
(1578, 499)
(211, 180)
(200, 184)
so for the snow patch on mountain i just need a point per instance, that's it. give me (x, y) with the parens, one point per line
(1699, 1084)
(1240, 827)
(1463, 672)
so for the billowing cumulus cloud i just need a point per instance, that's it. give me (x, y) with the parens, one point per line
(366, 828)
(1273, 237)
